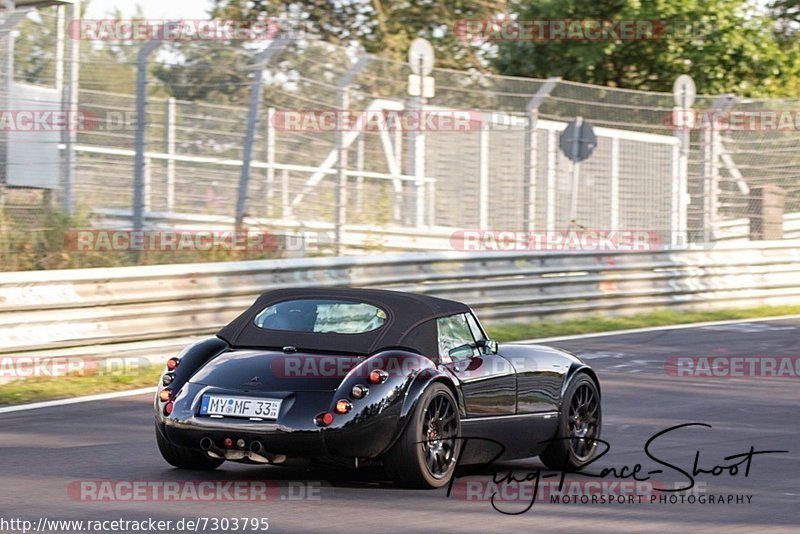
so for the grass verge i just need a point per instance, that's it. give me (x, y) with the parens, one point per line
(597, 323)
(41, 389)
(64, 387)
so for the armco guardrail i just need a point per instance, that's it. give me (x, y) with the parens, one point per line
(97, 311)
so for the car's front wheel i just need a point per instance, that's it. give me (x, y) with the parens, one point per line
(578, 428)
(183, 458)
(425, 455)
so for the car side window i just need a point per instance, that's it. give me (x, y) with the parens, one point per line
(454, 331)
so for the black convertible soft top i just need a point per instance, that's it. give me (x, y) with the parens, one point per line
(410, 323)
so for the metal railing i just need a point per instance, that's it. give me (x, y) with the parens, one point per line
(100, 312)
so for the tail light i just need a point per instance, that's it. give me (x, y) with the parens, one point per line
(378, 376)
(167, 379)
(359, 391)
(324, 419)
(173, 363)
(343, 406)
(165, 395)
(168, 407)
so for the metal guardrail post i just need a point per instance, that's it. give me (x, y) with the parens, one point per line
(342, 105)
(252, 121)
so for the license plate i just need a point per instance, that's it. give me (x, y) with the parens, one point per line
(240, 406)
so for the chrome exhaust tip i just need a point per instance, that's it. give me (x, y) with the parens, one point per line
(207, 445)
(256, 447)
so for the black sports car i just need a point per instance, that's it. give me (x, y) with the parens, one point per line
(364, 377)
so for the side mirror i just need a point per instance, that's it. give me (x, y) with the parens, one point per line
(462, 352)
(489, 346)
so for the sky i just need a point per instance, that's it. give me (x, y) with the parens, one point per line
(156, 9)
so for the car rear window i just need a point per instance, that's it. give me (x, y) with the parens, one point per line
(323, 316)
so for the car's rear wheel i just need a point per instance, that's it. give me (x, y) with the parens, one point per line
(183, 458)
(578, 428)
(425, 455)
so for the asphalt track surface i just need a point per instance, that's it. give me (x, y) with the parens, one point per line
(46, 450)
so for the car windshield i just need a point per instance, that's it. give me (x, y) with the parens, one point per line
(324, 316)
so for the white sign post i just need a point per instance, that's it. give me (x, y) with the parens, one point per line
(420, 87)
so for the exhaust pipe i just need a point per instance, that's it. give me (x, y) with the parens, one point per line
(211, 449)
(257, 454)
(256, 449)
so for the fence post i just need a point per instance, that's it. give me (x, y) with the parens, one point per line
(269, 158)
(342, 105)
(483, 176)
(141, 131)
(532, 116)
(614, 226)
(169, 142)
(147, 186)
(710, 169)
(360, 177)
(286, 206)
(71, 100)
(252, 120)
(6, 32)
(552, 162)
(683, 119)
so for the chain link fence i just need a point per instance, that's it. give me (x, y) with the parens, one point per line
(503, 169)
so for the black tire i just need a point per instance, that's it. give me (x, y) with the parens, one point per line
(183, 458)
(578, 426)
(425, 454)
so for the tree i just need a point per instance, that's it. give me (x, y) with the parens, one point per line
(729, 48)
(384, 27)
(787, 12)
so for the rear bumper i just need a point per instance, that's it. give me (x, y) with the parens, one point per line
(364, 433)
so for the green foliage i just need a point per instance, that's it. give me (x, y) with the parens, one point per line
(384, 27)
(731, 48)
(43, 388)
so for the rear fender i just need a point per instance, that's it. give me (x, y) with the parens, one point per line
(192, 358)
(421, 382)
(380, 414)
